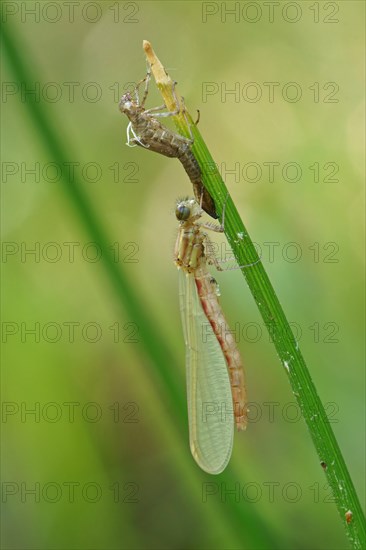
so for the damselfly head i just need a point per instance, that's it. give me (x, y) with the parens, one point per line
(126, 103)
(186, 209)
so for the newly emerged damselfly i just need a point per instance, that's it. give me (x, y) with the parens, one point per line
(147, 132)
(216, 391)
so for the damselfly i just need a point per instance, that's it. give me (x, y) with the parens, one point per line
(215, 377)
(147, 132)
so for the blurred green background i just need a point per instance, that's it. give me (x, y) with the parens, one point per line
(103, 461)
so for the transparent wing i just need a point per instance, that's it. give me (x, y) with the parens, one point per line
(210, 404)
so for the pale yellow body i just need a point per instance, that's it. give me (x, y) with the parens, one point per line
(215, 376)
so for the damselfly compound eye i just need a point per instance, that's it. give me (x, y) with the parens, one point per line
(182, 212)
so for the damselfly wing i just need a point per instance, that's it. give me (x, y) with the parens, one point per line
(210, 403)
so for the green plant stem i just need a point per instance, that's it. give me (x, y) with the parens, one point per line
(303, 388)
